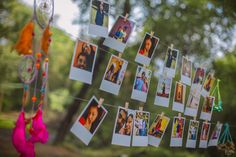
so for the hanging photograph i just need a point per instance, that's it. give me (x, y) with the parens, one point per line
(157, 130)
(192, 134)
(198, 79)
(208, 84)
(83, 61)
(147, 49)
(171, 60)
(179, 97)
(99, 18)
(204, 135)
(192, 105)
(214, 138)
(119, 34)
(123, 127)
(207, 108)
(114, 75)
(186, 71)
(89, 121)
(141, 126)
(141, 84)
(177, 132)
(163, 91)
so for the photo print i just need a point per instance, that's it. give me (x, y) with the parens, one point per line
(119, 34)
(83, 61)
(157, 130)
(204, 135)
(141, 84)
(147, 49)
(89, 121)
(207, 108)
(179, 97)
(198, 79)
(177, 132)
(171, 60)
(186, 71)
(208, 84)
(163, 91)
(215, 135)
(192, 134)
(141, 126)
(114, 75)
(192, 105)
(99, 18)
(123, 127)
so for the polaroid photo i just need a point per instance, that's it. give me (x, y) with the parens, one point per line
(192, 105)
(198, 79)
(83, 61)
(207, 108)
(192, 134)
(157, 130)
(171, 61)
(179, 97)
(122, 132)
(140, 128)
(177, 132)
(141, 84)
(89, 121)
(99, 18)
(204, 134)
(208, 84)
(215, 135)
(186, 71)
(114, 75)
(163, 91)
(147, 49)
(119, 34)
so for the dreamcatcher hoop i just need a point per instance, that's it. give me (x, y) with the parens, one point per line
(43, 12)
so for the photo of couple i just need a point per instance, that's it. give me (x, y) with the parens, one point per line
(141, 123)
(193, 129)
(171, 58)
(142, 80)
(178, 127)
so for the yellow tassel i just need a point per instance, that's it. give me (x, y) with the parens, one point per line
(46, 39)
(24, 43)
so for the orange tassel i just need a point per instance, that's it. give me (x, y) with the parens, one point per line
(24, 43)
(46, 39)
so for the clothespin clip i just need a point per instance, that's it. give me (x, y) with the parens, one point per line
(151, 34)
(126, 105)
(206, 121)
(162, 114)
(218, 123)
(140, 108)
(171, 46)
(100, 102)
(126, 17)
(194, 118)
(120, 55)
(179, 115)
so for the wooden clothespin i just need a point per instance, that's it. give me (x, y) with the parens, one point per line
(120, 55)
(140, 108)
(126, 17)
(126, 105)
(162, 114)
(194, 118)
(171, 46)
(151, 34)
(179, 115)
(206, 121)
(100, 102)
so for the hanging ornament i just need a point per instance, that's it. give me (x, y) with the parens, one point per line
(226, 143)
(217, 106)
(46, 40)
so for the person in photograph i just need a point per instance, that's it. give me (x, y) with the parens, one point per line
(91, 117)
(208, 105)
(81, 61)
(100, 14)
(193, 131)
(121, 33)
(117, 73)
(199, 76)
(127, 129)
(163, 88)
(208, 82)
(205, 131)
(110, 72)
(216, 132)
(140, 81)
(145, 85)
(121, 120)
(179, 129)
(179, 93)
(146, 47)
(170, 58)
(157, 129)
(186, 68)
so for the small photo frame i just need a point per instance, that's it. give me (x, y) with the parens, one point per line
(147, 49)
(177, 132)
(215, 135)
(171, 61)
(179, 97)
(163, 91)
(99, 18)
(192, 105)
(204, 134)
(198, 78)
(192, 134)
(83, 61)
(186, 71)
(207, 108)
(157, 130)
(141, 84)
(141, 126)
(119, 34)
(114, 75)
(208, 84)
(89, 121)
(123, 127)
